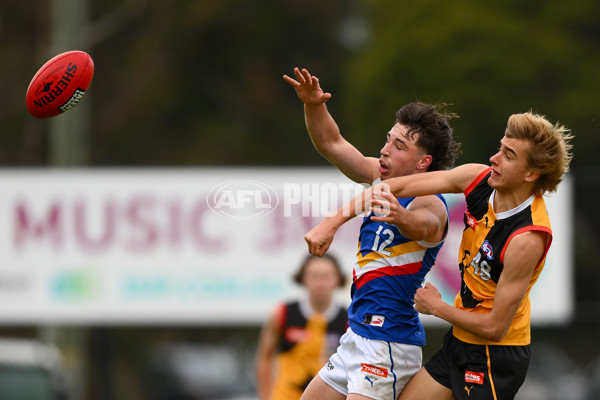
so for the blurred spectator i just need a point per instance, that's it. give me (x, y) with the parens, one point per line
(300, 335)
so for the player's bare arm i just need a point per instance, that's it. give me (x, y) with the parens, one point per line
(267, 345)
(427, 217)
(325, 133)
(455, 180)
(522, 256)
(320, 237)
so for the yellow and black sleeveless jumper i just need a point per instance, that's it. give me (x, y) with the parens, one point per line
(306, 341)
(485, 238)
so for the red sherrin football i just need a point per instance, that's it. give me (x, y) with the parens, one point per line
(60, 84)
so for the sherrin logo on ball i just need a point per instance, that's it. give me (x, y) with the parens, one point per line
(59, 84)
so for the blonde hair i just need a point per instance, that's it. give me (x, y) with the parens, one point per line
(550, 151)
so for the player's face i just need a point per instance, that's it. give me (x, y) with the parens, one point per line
(400, 156)
(509, 165)
(321, 279)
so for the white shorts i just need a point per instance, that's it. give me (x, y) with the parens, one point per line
(372, 368)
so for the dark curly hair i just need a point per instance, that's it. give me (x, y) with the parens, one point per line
(430, 123)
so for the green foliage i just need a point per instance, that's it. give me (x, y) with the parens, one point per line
(199, 82)
(488, 59)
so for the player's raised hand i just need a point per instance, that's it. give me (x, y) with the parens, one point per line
(307, 87)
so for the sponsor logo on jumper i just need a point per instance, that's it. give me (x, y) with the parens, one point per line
(374, 320)
(329, 365)
(470, 220)
(474, 377)
(371, 369)
(486, 248)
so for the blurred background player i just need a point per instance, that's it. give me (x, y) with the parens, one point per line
(382, 349)
(300, 335)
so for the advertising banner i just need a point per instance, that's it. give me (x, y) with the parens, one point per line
(206, 246)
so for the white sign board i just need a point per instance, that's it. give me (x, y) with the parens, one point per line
(195, 246)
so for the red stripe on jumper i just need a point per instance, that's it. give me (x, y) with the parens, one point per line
(477, 180)
(406, 269)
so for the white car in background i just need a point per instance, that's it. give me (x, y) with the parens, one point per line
(31, 370)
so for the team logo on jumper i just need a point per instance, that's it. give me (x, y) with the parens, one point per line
(474, 377)
(374, 320)
(470, 220)
(371, 369)
(486, 248)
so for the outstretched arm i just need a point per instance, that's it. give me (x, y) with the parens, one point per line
(454, 181)
(320, 237)
(325, 133)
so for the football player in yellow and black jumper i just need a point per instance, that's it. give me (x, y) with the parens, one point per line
(506, 237)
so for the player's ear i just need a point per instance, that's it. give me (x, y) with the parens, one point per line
(532, 174)
(424, 162)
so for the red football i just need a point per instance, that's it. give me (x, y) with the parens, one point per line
(60, 84)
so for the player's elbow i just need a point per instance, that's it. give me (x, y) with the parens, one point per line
(420, 231)
(495, 332)
(496, 337)
(319, 146)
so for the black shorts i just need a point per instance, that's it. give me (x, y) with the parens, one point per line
(479, 372)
